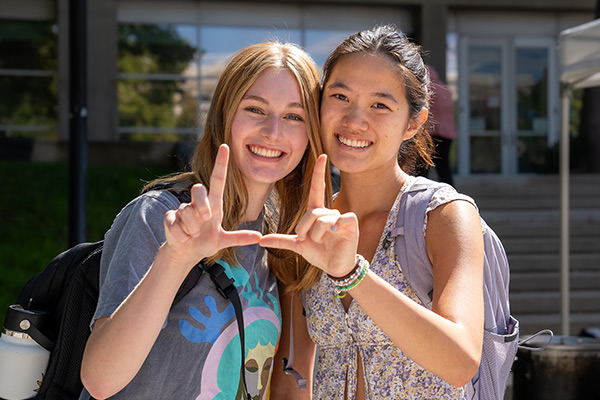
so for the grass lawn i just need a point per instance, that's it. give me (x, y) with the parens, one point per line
(34, 213)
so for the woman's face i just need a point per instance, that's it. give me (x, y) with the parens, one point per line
(269, 133)
(364, 114)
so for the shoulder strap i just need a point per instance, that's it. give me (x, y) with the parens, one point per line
(181, 190)
(411, 251)
(224, 284)
(288, 363)
(188, 284)
(226, 288)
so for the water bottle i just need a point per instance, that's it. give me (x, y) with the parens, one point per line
(24, 353)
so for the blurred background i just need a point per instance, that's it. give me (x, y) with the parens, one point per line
(150, 68)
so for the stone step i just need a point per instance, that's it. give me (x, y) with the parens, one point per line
(533, 202)
(530, 192)
(532, 323)
(550, 281)
(583, 301)
(537, 219)
(524, 231)
(544, 245)
(532, 185)
(551, 262)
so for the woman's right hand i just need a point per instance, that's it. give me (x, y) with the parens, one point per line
(324, 237)
(194, 230)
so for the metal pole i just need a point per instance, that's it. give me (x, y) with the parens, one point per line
(564, 212)
(77, 121)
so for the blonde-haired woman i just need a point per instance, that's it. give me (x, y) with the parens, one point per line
(264, 117)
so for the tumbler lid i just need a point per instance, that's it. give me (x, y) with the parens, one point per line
(31, 322)
(20, 320)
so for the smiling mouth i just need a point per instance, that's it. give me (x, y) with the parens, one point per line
(266, 153)
(354, 143)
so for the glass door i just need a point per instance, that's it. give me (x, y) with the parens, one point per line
(507, 105)
(483, 109)
(536, 105)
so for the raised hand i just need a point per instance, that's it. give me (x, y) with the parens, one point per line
(194, 230)
(324, 237)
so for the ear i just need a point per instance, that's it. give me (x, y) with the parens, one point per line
(415, 123)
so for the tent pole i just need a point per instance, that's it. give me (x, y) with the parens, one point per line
(564, 211)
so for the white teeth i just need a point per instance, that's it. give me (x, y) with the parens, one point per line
(359, 144)
(260, 151)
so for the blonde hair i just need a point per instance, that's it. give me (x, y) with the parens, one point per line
(291, 192)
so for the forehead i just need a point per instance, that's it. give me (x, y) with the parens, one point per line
(365, 71)
(275, 79)
(277, 86)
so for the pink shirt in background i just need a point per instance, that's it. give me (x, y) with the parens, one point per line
(441, 109)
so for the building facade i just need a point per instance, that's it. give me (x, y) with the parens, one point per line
(152, 65)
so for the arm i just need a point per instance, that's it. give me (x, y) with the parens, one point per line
(125, 338)
(284, 386)
(120, 343)
(448, 340)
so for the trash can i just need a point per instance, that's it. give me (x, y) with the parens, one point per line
(569, 368)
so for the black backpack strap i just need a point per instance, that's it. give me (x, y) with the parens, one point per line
(225, 286)
(189, 282)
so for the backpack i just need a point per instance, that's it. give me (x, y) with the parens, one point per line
(68, 288)
(501, 330)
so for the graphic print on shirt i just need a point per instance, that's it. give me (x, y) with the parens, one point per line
(262, 322)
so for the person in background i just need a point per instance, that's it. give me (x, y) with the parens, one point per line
(261, 136)
(441, 125)
(375, 337)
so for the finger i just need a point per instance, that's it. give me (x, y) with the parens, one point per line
(323, 226)
(308, 220)
(347, 224)
(218, 176)
(190, 221)
(240, 238)
(316, 197)
(174, 229)
(200, 203)
(281, 241)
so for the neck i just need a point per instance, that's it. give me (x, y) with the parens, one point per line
(367, 193)
(257, 197)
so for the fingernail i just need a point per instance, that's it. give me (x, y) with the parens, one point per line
(333, 228)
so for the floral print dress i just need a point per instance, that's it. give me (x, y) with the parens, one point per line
(341, 335)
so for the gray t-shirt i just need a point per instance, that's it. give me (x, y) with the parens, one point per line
(197, 353)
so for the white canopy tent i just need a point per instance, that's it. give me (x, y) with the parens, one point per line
(579, 57)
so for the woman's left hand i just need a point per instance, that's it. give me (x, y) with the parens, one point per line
(324, 237)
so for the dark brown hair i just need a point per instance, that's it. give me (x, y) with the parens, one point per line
(415, 153)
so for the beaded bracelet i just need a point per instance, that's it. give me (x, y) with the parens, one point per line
(352, 280)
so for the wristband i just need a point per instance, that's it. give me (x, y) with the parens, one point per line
(350, 281)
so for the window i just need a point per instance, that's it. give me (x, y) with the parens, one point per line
(28, 79)
(158, 79)
(171, 55)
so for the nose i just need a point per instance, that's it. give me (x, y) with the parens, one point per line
(272, 128)
(354, 119)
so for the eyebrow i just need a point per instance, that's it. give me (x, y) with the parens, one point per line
(293, 104)
(384, 95)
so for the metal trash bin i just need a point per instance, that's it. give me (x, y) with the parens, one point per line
(569, 368)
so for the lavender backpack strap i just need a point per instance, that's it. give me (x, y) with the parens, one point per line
(288, 362)
(410, 246)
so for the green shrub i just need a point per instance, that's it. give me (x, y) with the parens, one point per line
(35, 215)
